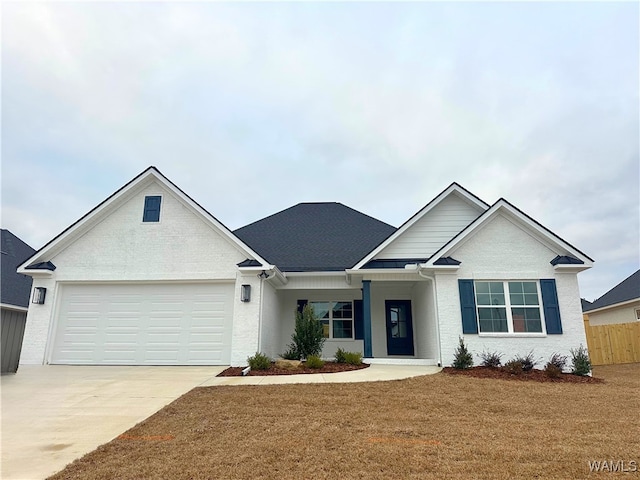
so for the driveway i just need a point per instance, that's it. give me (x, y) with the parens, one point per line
(53, 414)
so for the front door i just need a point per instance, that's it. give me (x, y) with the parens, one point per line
(399, 327)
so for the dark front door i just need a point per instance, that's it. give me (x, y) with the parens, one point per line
(399, 327)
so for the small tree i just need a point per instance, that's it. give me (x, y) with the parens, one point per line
(580, 362)
(308, 337)
(462, 358)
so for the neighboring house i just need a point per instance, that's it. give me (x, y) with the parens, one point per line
(621, 304)
(150, 277)
(14, 298)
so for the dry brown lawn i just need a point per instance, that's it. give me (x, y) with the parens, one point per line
(431, 427)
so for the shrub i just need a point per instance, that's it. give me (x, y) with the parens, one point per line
(552, 370)
(491, 359)
(462, 358)
(352, 358)
(291, 354)
(514, 367)
(314, 361)
(259, 362)
(558, 361)
(527, 362)
(580, 363)
(308, 337)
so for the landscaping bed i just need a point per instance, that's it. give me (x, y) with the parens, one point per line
(328, 367)
(534, 374)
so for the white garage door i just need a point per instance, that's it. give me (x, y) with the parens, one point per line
(144, 324)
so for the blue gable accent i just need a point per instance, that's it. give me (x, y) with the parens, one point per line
(151, 208)
(249, 263)
(41, 266)
(447, 261)
(393, 263)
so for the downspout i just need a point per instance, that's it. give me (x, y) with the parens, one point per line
(435, 305)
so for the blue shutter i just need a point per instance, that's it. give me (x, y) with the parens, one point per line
(551, 306)
(358, 320)
(151, 209)
(468, 306)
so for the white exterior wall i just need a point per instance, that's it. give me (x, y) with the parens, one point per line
(424, 322)
(622, 314)
(503, 251)
(121, 247)
(246, 321)
(271, 322)
(288, 307)
(433, 230)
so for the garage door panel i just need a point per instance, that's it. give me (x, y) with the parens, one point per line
(179, 324)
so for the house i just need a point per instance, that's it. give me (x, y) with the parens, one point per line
(621, 304)
(151, 277)
(14, 298)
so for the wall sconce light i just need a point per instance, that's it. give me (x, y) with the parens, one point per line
(39, 293)
(264, 275)
(245, 293)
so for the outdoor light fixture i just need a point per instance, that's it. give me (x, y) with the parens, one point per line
(264, 275)
(38, 295)
(245, 293)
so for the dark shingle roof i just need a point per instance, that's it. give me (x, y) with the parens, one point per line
(628, 289)
(315, 237)
(392, 263)
(566, 260)
(16, 288)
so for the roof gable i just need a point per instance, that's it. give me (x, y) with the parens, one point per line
(562, 248)
(15, 287)
(315, 237)
(121, 196)
(627, 290)
(431, 227)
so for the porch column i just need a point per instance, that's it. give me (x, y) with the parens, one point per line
(366, 314)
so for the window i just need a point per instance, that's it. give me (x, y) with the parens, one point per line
(336, 318)
(152, 208)
(508, 307)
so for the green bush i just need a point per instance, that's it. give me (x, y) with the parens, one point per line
(314, 361)
(514, 367)
(552, 371)
(308, 337)
(352, 358)
(291, 354)
(527, 362)
(580, 363)
(491, 359)
(462, 359)
(259, 362)
(558, 361)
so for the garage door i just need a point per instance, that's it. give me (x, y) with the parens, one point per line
(144, 324)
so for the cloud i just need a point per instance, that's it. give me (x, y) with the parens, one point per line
(253, 107)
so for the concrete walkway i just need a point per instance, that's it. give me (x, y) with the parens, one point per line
(53, 414)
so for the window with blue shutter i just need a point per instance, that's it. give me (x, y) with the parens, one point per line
(551, 306)
(152, 208)
(468, 306)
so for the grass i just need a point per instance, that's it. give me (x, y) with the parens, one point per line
(431, 427)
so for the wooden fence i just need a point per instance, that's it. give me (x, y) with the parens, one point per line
(614, 343)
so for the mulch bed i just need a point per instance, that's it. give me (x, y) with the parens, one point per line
(328, 367)
(534, 375)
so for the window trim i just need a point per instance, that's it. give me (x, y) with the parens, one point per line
(149, 222)
(507, 296)
(331, 319)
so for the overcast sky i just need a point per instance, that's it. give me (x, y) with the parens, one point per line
(253, 107)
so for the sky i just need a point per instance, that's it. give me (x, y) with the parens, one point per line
(254, 107)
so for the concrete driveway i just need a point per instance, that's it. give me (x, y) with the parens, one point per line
(53, 414)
